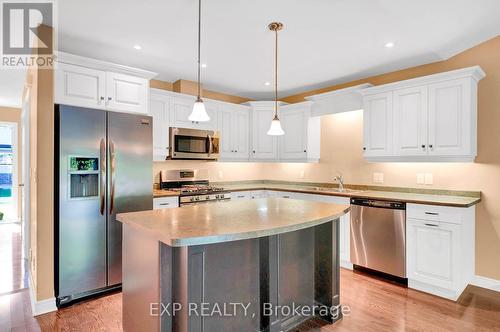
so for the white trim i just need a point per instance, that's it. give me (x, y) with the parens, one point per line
(43, 306)
(485, 282)
(72, 59)
(334, 93)
(474, 72)
(346, 265)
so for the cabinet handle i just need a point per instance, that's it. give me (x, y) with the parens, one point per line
(431, 146)
(286, 196)
(235, 150)
(164, 204)
(240, 196)
(101, 99)
(432, 213)
(364, 148)
(305, 150)
(423, 146)
(253, 151)
(432, 225)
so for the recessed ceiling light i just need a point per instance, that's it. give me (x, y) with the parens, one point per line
(138, 47)
(389, 45)
(267, 83)
(203, 65)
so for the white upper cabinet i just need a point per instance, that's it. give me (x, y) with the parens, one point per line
(377, 125)
(80, 86)
(410, 121)
(431, 118)
(452, 118)
(159, 108)
(234, 127)
(293, 145)
(91, 83)
(264, 146)
(127, 93)
(301, 139)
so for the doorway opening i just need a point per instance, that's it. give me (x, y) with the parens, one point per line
(9, 195)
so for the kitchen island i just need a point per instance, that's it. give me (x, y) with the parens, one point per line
(257, 265)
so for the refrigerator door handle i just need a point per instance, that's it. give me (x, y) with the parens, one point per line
(112, 176)
(102, 176)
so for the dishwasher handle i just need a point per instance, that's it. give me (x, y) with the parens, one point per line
(378, 203)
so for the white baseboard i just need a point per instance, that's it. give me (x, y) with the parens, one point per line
(43, 306)
(485, 282)
(346, 265)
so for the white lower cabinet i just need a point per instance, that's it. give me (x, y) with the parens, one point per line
(165, 202)
(440, 249)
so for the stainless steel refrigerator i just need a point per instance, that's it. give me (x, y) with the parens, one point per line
(104, 167)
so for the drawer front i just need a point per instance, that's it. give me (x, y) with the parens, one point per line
(165, 202)
(446, 214)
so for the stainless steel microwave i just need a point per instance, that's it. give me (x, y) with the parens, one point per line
(193, 144)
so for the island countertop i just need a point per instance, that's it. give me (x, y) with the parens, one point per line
(231, 220)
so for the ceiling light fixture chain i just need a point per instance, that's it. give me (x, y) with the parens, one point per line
(275, 128)
(199, 112)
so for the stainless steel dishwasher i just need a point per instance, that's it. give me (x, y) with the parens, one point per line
(378, 235)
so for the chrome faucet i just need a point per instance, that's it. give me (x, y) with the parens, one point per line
(340, 179)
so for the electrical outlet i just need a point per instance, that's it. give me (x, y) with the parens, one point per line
(420, 178)
(378, 177)
(302, 174)
(429, 178)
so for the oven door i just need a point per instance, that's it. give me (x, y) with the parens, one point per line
(194, 144)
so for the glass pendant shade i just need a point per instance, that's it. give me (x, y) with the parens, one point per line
(199, 112)
(275, 129)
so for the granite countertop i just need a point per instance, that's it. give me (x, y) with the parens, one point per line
(231, 220)
(407, 195)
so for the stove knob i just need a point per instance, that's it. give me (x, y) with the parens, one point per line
(222, 196)
(207, 198)
(197, 198)
(192, 199)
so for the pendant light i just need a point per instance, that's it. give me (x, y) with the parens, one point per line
(275, 129)
(199, 112)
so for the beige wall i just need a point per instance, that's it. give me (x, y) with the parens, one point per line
(8, 114)
(341, 151)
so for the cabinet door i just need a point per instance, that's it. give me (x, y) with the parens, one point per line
(80, 86)
(432, 249)
(293, 144)
(450, 127)
(165, 203)
(264, 146)
(159, 109)
(127, 93)
(410, 121)
(377, 125)
(226, 133)
(241, 134)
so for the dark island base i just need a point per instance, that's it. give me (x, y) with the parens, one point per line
(269, 276)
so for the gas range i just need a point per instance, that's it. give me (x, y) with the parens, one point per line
(193, 186)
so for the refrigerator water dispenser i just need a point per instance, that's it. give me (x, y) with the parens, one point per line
(83, 177)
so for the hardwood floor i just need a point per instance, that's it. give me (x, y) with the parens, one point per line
(375, 306)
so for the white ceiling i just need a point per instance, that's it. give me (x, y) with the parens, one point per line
(324, 41)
